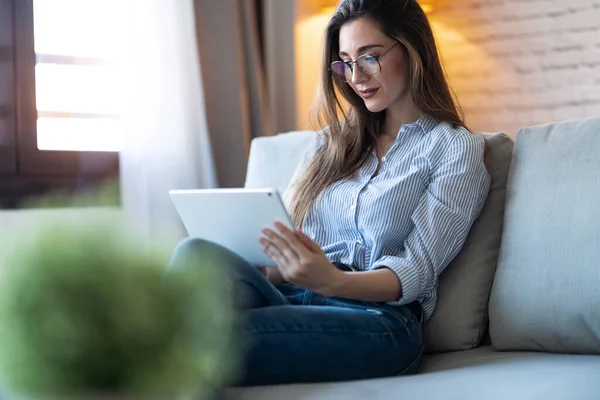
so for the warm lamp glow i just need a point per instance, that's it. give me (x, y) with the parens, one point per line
(328, 6)
(327, 10)
(426, 6)
(328, 3)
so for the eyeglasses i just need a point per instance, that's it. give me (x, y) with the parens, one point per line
(366, 63)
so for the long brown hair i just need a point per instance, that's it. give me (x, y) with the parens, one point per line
(352, 129)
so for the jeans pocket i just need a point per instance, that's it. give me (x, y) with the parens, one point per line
(401, 312)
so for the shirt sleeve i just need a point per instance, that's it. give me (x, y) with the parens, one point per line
(456, 194)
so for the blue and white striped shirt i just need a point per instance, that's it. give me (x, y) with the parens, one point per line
(412, 217)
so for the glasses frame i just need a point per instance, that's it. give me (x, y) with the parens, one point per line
(351, 63)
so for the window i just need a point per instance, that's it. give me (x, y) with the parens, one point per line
(59, 108)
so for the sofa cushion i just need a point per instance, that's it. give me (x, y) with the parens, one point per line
(545, 296)
(460, 318)
(479, 374)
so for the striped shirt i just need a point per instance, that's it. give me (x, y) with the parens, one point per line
(413, 216)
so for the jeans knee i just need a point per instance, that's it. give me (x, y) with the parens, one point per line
(191, 252)
(195, 245)
(195, 252)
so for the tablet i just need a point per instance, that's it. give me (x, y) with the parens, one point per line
(233, 218)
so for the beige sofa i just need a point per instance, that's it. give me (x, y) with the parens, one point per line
(518, 315)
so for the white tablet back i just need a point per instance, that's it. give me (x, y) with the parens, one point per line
(232, 218)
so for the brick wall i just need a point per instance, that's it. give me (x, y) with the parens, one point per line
(514, 63)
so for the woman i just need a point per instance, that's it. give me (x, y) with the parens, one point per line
(385, 200)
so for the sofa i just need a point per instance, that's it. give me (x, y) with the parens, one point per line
(518, 313)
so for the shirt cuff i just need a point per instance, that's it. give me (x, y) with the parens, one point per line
(408, 275)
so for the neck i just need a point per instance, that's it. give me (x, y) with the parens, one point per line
(398, 115)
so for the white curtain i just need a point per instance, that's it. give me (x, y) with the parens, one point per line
(166, 142)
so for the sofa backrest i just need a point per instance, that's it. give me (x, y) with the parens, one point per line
(273, 159)
(460, 319)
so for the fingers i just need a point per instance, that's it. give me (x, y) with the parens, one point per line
(307, 241)
(298, 239)
(273, 252)
(287, 246)
(290, 237)
(278, 245)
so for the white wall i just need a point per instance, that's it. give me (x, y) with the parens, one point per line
(514, 63)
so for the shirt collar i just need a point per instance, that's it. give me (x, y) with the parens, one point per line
(426, 122)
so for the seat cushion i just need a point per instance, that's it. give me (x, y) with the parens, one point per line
(480, 374)
(545, 295)
(460, 318)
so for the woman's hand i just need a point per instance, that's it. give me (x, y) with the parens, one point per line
(300, 260)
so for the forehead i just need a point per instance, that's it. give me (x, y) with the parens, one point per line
(358, 33)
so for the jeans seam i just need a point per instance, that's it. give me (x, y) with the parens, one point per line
(416, 360)
(306, 297)
(266, 298)
(405, 329)
(377, 307)
(388, 333)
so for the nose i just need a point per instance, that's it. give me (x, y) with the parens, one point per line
(358, 76)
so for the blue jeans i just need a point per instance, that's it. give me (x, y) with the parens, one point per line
(297, 336)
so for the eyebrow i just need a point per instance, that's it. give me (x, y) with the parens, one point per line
(362, 49)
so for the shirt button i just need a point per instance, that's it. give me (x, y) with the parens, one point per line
(383, 159)
(353, 207)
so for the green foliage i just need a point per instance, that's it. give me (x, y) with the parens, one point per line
(106, 195)
(84, 310)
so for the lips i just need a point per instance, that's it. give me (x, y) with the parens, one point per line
(368, 93)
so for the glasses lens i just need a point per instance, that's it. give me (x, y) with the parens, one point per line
(342, 70)
(369, 65)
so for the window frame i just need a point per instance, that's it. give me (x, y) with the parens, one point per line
(26, 171)
(8, 142)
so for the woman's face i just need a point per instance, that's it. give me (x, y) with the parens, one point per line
(390, 87)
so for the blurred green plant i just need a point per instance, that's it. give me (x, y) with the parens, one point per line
(105, 195)
(85, 311)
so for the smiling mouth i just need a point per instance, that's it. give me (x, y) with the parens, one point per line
(366, 94)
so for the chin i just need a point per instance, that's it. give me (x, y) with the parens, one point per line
(375, 106)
